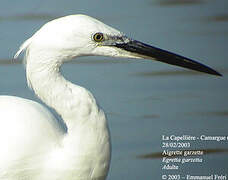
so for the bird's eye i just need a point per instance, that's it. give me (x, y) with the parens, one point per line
(98, 37)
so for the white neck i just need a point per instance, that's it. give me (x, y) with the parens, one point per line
(73, 103)
(87, 138)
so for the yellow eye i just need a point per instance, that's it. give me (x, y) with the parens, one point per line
(98, 37)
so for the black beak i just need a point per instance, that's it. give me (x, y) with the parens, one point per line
(146, 51)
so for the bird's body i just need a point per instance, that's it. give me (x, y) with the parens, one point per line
(37, 146)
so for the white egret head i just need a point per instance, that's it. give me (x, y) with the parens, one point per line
(81, 35)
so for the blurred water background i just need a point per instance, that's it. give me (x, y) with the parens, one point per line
(142, 99)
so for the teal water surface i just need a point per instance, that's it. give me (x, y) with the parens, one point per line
(142, 99)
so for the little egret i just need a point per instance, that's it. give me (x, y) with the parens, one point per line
(34, 144)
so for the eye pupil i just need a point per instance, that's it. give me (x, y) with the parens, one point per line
(98, 37)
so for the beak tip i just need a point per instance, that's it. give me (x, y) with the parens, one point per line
(213, 72)
(218, 74)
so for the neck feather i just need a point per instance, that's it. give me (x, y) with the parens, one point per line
(73, 103)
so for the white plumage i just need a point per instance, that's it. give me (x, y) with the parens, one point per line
(34, 144)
